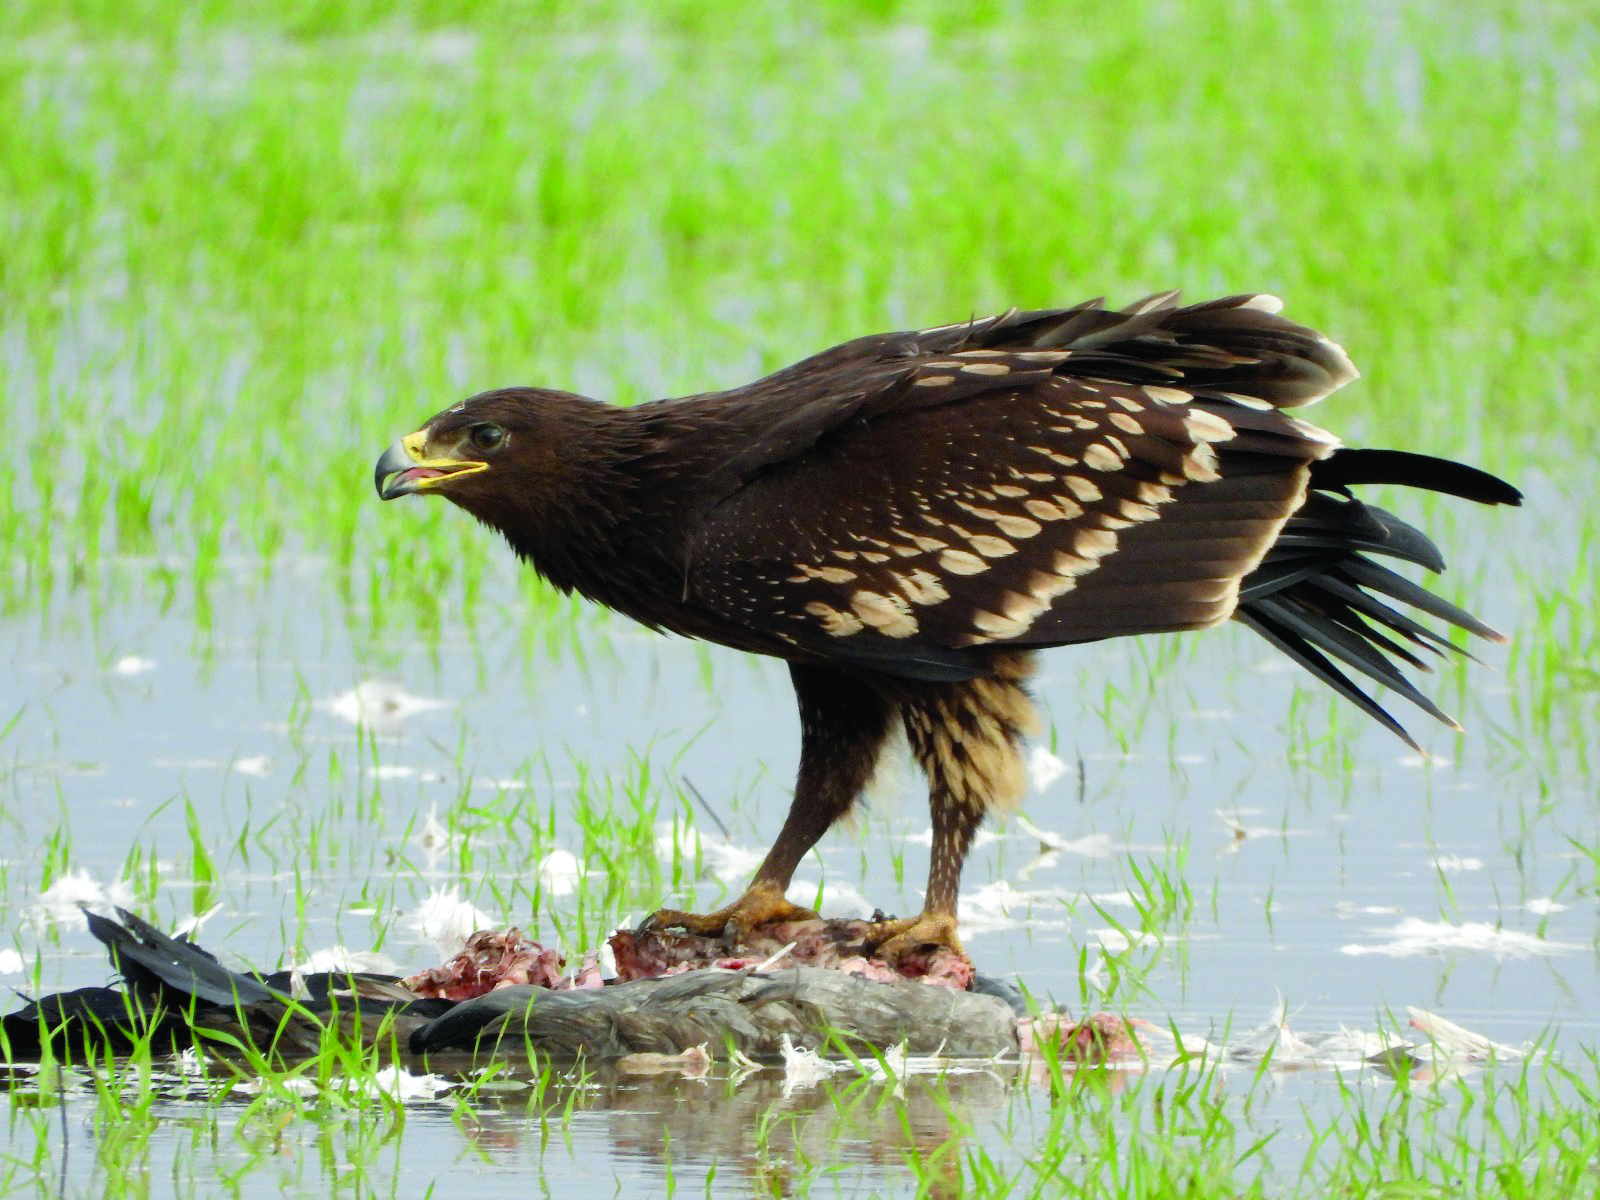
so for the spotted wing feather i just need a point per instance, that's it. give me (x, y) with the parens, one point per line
(1236, 351)
(1039, 510)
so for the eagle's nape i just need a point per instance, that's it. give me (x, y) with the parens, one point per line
(908, 518)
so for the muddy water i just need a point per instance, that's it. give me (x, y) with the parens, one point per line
(1348, 876)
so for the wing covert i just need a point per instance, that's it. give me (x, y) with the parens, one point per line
(1031, 508)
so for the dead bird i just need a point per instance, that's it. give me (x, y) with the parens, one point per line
(177, 995)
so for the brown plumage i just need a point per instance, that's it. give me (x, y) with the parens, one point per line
(906, 517)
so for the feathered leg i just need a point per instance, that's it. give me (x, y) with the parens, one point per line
(843, 726)
(967, 736)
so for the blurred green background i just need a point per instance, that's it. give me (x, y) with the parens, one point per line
(245, 244)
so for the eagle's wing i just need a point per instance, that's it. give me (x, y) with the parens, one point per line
(1033, 479)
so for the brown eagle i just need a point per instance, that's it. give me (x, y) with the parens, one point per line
(907, 517)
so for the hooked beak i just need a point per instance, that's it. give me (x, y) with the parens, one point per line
(403, 469)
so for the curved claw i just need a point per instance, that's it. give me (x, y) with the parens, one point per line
(894, 939)
(762, 904)
(650, 924)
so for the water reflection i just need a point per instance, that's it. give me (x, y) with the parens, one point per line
(755, 1132)
(605, 1132)
(1187, 865)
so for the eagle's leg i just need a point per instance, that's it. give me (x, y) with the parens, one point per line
(843, 726)
(967, 736)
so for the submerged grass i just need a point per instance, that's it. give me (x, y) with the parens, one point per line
(1200, 1128)
(247, 244)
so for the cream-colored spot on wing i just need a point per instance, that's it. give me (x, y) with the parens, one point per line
(1094, 543)
(980, 354)
(1153, 493)
(1017, 613)
(827, 574)
(959, 562)
(931, 381)
(923, 587)
(1100, 458)
(1009, 491)
(1063, 460)
(1048, 586)
(889, 615)
(1042, 356)
(1166, 395)
(1017, 527)
(1200, 464)
(991, 547)
(1081, 488)
(1244, 401)
(1046, 511)
(1071, 564)
(1312, 433)
(1344, 369)
(833, 621)
(1125, 423)
(872, 556)
(986, 368)
(1203, 426)
(1135, 511)
(997, 626)
(1024, 607)
(1264, 302)
(1127, 402)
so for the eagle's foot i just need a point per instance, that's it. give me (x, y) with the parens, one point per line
(894, 939)
(762, 904)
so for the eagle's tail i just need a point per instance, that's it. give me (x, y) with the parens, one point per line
(1318, 597)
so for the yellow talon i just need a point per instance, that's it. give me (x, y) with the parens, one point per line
(762, 904)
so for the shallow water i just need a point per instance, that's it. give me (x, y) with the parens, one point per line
(182, 289)
(1347, 876)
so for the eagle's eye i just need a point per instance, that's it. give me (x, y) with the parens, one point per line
(488, 436)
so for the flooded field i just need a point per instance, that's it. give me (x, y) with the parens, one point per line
(245, 694)
(1191, 856)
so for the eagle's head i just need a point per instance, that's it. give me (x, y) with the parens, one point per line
(481, 447)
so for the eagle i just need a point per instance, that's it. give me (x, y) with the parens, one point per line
(908, 518)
